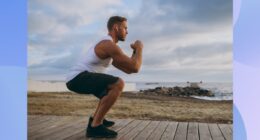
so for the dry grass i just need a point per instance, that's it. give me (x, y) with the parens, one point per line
(132, 106)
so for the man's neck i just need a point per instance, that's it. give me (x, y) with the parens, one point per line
(115, 40)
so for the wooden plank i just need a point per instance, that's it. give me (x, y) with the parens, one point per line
(215, 132)
(204, 132)
(126, 129)
(32, 117)
(193, 131)
(55, 132)
(52, 128)
(64, 127)
(35, 117)
(39, 120)
(131, 134)
(35, 128)
(71, 129)
(226, 131)
(120, 125)
(157, 133)
(170, 131)
(181, 133)
(62, 120)
(147, 131)
(80, 135)
(231, 127)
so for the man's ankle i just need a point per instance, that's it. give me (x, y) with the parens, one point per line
(95, 124)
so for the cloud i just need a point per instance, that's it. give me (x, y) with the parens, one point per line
(199, 11)
(183, 39)
(178, 18)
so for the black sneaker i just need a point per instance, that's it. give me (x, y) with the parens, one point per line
(100, 132)
(106, 123)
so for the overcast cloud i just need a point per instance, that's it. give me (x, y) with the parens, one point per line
(184, 40)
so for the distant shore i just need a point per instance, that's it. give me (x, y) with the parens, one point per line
(221, 91)
(132, 105)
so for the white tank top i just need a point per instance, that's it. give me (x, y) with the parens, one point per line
(90, 62)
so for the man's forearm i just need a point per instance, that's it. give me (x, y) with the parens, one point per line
(137, 58)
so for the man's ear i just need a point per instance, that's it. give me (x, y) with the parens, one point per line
(115, 26)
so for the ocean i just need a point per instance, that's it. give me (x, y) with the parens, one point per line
(222, 91)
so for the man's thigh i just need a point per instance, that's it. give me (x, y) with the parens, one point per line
(92, 83)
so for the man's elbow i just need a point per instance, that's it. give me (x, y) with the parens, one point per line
(128, 72)
(135, 67)
(135, 70)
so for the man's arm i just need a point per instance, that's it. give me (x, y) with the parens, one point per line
(121, 68)
(137, 53)
(122, 61)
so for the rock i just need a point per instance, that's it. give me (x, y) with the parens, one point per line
(194, 85)
(178, 91)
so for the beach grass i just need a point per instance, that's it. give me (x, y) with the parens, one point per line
(132, 105)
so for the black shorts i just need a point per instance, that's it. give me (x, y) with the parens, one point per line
(91, 83)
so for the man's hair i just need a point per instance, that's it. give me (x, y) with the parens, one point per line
(114, 20)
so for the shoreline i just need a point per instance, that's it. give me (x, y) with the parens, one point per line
(221, 90)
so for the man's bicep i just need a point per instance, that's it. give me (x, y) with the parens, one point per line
(121, 61)
(118, 56)
(121, 67)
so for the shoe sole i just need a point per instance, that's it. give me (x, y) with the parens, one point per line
(109, 125)
(94, 136)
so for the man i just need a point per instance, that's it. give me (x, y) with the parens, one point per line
(88, 75)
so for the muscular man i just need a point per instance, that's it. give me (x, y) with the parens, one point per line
(88, 77)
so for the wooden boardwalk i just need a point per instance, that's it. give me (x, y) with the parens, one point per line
(73, 128)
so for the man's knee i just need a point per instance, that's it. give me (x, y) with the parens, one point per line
(119, 85)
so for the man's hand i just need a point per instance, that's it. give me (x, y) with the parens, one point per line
(137, 45)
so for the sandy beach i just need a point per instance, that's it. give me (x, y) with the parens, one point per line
(132, 105)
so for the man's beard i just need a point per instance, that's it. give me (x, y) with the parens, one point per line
(120, 38)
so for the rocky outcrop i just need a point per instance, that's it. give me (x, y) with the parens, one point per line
(178, 91)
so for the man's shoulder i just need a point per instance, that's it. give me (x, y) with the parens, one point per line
(107, 45)
(107, 48)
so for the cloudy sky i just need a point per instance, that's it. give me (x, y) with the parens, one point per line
(184, 40)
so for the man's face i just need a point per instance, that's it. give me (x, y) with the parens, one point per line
(122, 31)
